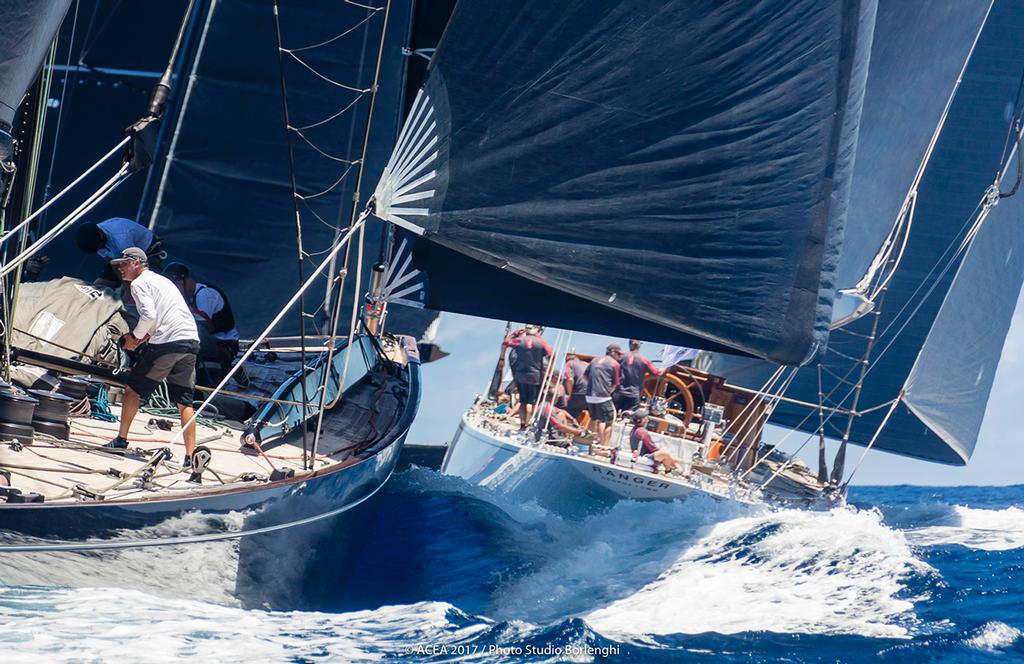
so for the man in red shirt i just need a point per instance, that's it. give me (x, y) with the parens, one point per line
(641, 443)
(532, 354)
(634, 367)
(575, 384)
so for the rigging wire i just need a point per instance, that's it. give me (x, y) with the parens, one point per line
(322, 76)
(298, 230)
(338, 36)
(60, 108)
(879, 261)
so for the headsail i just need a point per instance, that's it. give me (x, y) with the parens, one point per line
(679, 170)
(944, 317)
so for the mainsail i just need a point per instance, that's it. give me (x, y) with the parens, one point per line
(673, 171)
(27, 28)
(945, 312)
(227, 186)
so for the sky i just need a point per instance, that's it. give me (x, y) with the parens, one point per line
(451, 384)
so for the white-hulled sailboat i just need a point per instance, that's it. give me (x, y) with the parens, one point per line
(836, 231)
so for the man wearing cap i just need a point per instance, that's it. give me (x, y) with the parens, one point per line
(171, 339)
(634, 367)
(531, 357)
(602, 381)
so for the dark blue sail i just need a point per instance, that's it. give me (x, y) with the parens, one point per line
(680, 170)
(944, 315)
(27, 28)
(225, 201)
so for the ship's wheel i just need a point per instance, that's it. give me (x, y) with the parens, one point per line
(676, 390)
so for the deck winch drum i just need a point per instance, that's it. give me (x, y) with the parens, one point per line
(17, 408)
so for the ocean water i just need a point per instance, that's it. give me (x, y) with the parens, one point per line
(445, 571)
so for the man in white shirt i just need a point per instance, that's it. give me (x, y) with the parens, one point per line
(171, 339)
(218, 338)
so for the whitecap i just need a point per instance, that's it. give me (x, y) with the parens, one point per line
(72, 625)
(988, 530)
(791, 571)
(993, 636)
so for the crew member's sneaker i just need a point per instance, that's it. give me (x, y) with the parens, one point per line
(118, 443)
(187, 463)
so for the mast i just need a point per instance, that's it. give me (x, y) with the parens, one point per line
(23, 193)
(839, 464)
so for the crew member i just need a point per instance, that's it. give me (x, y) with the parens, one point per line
(531, 357)
(602, 381)
(641, 443)
(554, 419)
(108, 239)
(575, 384)
(634, 367)
(168, 330)
(216, 322)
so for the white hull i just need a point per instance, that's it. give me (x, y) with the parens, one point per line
(571, 485)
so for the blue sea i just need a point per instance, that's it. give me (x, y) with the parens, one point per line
(434, 569)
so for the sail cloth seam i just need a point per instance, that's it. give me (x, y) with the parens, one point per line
(864, 283)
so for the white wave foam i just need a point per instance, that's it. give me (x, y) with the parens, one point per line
(204, 571)
(790, 571)
(988, 530)
(121, 625)
(993, 636)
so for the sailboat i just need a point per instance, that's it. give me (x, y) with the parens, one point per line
(818, 195)
(328, 405)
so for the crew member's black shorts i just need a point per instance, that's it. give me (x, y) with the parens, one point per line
(174, 362)
(626, 401)
(577, 404)
(602, 412)
(528, 393)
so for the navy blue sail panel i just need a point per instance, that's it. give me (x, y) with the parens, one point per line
(949, 385)
(956, 350)
(917, 54)
(685, 164)
(27, 27)
(226, 205)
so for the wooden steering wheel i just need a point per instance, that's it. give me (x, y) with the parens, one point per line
(676, 391)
